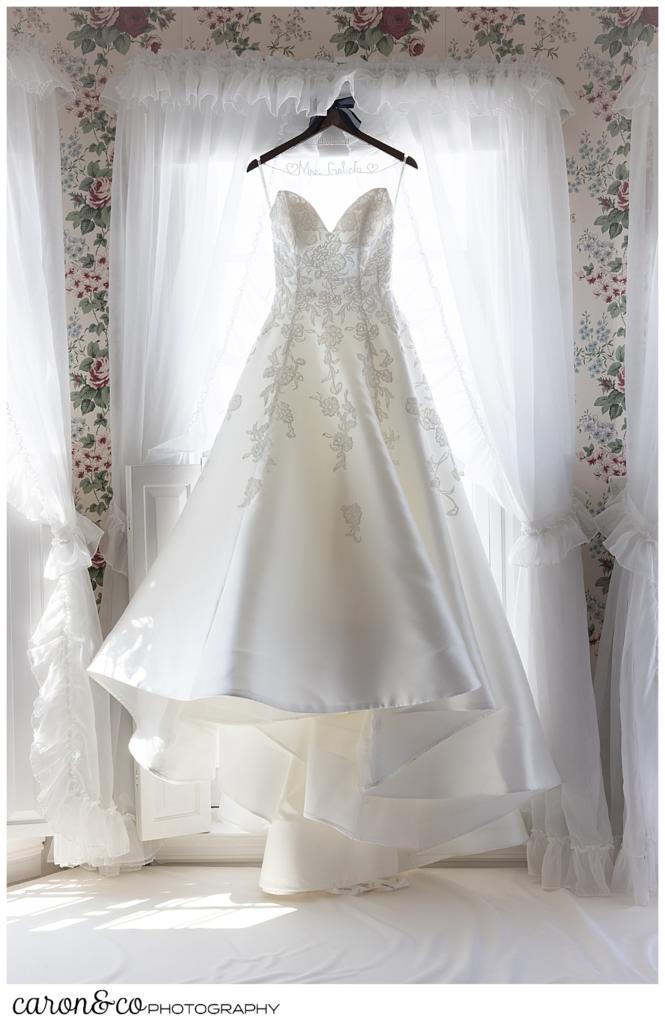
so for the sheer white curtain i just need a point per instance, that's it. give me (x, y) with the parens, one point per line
(496, 163)
(71, 751)
(183, 243)
(626, 673)
(482, 266)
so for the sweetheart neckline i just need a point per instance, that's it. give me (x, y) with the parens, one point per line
(363, 195)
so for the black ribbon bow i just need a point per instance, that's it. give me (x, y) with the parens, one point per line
(344, 104)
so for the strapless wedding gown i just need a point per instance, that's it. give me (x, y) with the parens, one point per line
(321, 627)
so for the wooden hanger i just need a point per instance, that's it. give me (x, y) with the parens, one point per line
(339, 115)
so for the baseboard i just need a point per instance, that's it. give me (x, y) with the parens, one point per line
(221, 848)
(212, 848)
(24, 858)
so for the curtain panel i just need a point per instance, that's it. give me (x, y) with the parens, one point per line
(482, 272)
(71, 751)
(626, 673)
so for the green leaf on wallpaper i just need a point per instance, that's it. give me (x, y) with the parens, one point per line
(87, 45)
(109, 34)
(613, 369)
(615, 411)
(385, 45)
(615, 229)
(620, 353)
(87, 406)
(350, 47)
(614, 187)
(87, 226)
(621, 172)
(615, 47)
(122, 43)
(373, 35)
(647, 34)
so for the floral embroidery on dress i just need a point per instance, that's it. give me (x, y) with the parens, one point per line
(341, 441)
(430, 422)
(233, 406)
(343, 337)
(352, 516)
(252, 488)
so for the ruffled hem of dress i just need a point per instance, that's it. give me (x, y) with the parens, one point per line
(197, 76)
(351, 797)
(627, 534)
(558, 864)
(30, 67)
(63, 755)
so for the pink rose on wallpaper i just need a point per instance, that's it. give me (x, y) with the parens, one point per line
(396, 21)
(366, 17)
(99, 193)
(152, 43)
(98, 560)
(98, 374)
(133, 20)
(622, 197)
(628, 16)
(416, 46)
(99, 17)
(621, 380)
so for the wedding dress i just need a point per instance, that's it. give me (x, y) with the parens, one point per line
(321, 629)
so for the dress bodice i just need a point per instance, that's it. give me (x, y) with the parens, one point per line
(356, 252)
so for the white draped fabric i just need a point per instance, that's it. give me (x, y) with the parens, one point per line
(626, 674)
(481, 270)
(71, 752)
(502, 205)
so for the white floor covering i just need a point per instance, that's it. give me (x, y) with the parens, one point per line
(206, 924)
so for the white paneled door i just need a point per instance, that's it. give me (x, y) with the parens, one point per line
(156, 497)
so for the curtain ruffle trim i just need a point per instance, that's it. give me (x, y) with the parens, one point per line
(557, 864)
(195, 77)
(548, 541)
(113, 545)
(63, 755)
(72, 547)
(627, 534)
(642, 87)
(65, 853)
(636, 870)
(30, 68)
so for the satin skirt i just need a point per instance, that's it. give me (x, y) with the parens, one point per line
(322, 633)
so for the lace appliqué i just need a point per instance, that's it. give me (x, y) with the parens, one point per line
(233, 406)
(352, 517)
(442, 460)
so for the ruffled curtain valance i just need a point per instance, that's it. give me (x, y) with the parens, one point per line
(217, 81)
(30, 69)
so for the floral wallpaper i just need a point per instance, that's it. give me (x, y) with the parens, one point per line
(592, 50)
